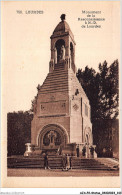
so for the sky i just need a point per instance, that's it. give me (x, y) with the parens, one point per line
(26, 43)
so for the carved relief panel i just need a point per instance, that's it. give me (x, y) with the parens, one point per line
(53, 107)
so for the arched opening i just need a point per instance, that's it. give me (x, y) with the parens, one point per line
(88, 136)
(52, 137)
(60, 50)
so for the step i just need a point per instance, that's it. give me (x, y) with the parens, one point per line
(114, 164)
(15, 162)
(55, 162)
(88, 164)
(88, 168)
(58, 71)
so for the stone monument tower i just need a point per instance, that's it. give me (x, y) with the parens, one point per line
(62, 119)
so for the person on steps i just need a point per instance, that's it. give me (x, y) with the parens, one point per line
(63, 162)
(67, 162)
(46, 161)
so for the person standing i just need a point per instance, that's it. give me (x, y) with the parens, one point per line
(46, 161)
(63, 162)
(67, 162)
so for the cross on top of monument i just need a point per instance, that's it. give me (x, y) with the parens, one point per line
(63, 17)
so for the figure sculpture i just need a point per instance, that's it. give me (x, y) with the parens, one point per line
(62, 56)
(55, 51)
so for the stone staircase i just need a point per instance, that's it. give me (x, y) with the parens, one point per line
(60, 66)
(88, 164)
(55, 162)
(110, 162)
(25, 162)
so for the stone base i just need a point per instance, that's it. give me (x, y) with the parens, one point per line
(29, 149)
(72, 149)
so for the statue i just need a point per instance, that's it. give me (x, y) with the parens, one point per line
(52, 135)
(62, 56)
(63, 17)
(55, 51)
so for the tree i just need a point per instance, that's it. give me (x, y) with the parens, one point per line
(89, 80)
(18, 132)
(102, 90)
(109, 90)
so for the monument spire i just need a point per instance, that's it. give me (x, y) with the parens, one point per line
(62, 47)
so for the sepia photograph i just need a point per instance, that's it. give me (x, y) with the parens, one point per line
(60, 94)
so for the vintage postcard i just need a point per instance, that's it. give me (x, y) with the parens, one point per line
(60, 94)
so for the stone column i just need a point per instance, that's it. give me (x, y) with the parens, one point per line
(95, 155)
(55, 50)
(87, 151)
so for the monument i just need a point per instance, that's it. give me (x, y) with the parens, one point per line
(62, 120)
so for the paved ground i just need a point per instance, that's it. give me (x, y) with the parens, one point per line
(59, 173)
